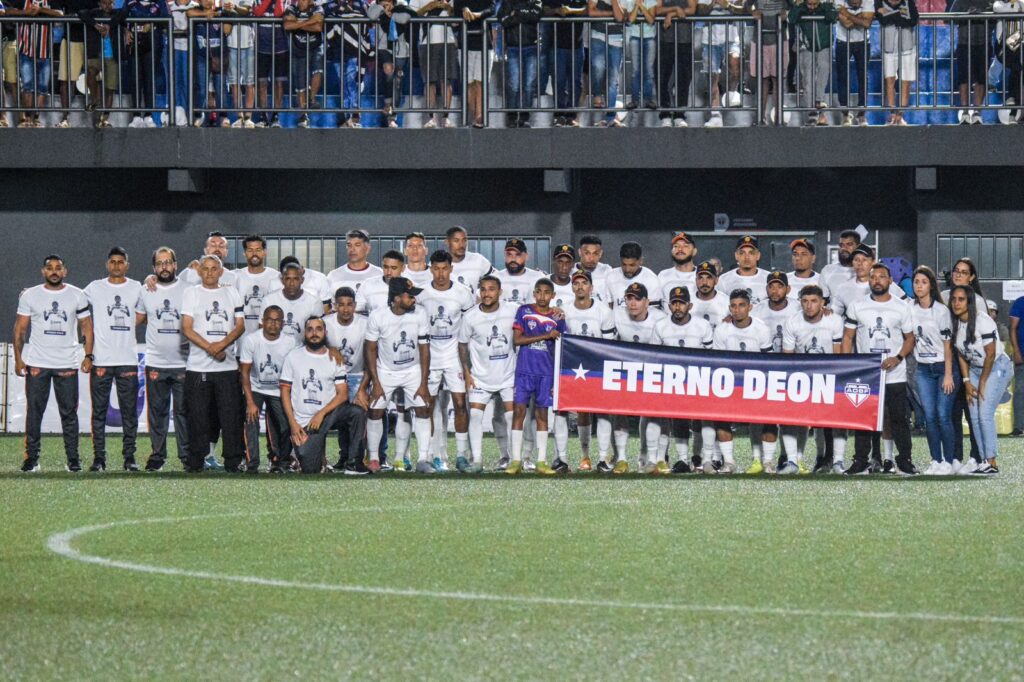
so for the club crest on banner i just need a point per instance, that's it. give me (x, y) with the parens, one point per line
(857, 393)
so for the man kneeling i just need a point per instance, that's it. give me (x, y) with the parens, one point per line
(314, 394)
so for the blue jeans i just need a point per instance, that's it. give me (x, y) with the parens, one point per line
(546, 56)
(181, 79)
(642, 52)
(35, 74)
(938, 409)
(522, 75)
(568, 78)
(605, 60)
(983, 412)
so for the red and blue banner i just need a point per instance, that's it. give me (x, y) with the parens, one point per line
(612, 377)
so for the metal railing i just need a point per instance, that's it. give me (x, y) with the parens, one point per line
(561, 70)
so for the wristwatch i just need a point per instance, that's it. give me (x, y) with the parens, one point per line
(90, 357)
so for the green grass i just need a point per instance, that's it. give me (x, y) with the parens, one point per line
(669, 578)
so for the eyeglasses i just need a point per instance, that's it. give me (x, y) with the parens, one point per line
(162, 263)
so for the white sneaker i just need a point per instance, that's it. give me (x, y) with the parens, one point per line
(954, 467)
(239, 122)
(975, 118)
(247, 123)
(198, 123)
(787, 469)
(666, 123)
(838, 467)
(715, 121)
(528, 464)
(148, 122)
(447, 123)
(680, 123)
(969, 466)
(963, 117)
(943, 469)
(180, 117)
(137, 122)
(431, 123)
(848, 120)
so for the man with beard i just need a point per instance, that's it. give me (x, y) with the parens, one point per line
(467, 266)
(358, 269)
(256, 281)
(709, 304)
(298, 305)
(881, 323)
(746, 275)
(858, 288)
(314, 395)
(682, 330)
(684, 272)
(591, 253)
(416, 267)
(517, 280)
(561, 267)
(802, 253)
(54, 312)
(631, 270)
(373, 294)
(216, 245)
(166, 353)
(835, 275)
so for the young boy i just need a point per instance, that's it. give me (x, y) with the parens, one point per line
(534, 332)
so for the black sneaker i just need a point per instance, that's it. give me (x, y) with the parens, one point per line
(681, 467)
(73, 466)
(858, 469)
(695, 462)
(560, 467)
(986, 469)
(154, 463)
(604, 467)
(130, 465)
(907, 468)
(822, 466)
(98, 466)
(357, 469)
(888, 467)
(276, 468)
(875, 466)
(31, 466)
(1016, 433)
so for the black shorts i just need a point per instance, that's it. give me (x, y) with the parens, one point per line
(266, 61)
(971, 64)
(439, 62)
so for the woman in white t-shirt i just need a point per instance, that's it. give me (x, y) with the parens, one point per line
(935, 379)
(987, 372)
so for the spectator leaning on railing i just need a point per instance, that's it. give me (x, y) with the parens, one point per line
(639, 17)
(349, 53)
(569, 58)
(145, 49)
(972, 55)
(772, 14)
(853, 23)
(271, 62)
(675, 62)
(519, 19)
(72, 52)
(305, 22)
(898, 19)
(605, 59)
(722, 41)
(474, 12)
(439, 61)
(1009, 36)
(35, 43)
(813, 21)
(103, 54)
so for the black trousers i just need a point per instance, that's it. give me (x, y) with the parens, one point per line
(312, 454)
(164, 385)
(675, 71)
(279, 444)
(101, 380)
(37, 394)
(209, 396)
(897, 408)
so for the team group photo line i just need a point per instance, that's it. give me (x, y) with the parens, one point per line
(270, 365)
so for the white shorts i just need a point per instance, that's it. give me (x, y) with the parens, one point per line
(900, 65)
(482, 396)
(391, 382)
(453, 379)
(475, 65)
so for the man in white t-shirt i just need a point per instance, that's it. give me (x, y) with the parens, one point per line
(166, 352)
(114, 301)
(54, 313)
(314, 395)
(358, 269)
(562, 263)
(591, 252)
(216, 245)
(467, 266)
(212, 321)
(346, 333)
(256, 281)
(710, 304)
(298, 305)
(259, 365)
(746, 275)
(373, 294)
(517, 280)
(631, 271)
(835, 275)
(883, 324)
(684, 270)
(803, 274)
(397, 349)
(488, 361)
(415, 251)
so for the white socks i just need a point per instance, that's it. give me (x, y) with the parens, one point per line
(621, 443)
(653, 433)
(476, 435)
(838, 446)
(682, 449)
(707, 445)
(887, 449)
(726, 448)
(542, 446)
(403, 433)
(769, 451)
(517, 445)
(461, 444)
(792, 444)
(374, 431)
(561, 436)
(604, 437)
(501, 422)
(422, 429)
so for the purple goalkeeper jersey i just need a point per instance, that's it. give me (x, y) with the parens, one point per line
(537, 357)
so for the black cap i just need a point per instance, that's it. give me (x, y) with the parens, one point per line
(778, 276)
(562, 250)
(581, 273)
(517, 244)
(402, 285)
(636, 290)
(864, 250)
(801, 242)
(682, 234)
(706, 266)
(748, 240)
(679, 294)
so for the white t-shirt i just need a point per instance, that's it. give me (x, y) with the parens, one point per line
(855, 34)
(985, 332)
(253, 288)
(696, 333)
(880, 328)
(599, 275)
(858, 291)
(597, 321)
(317, 284)
(754, 338)
(491, 352)
(756, 284)
(242, 34)
(439, 33)
(266, 358)
(348, 339)
(421, 278)
(296, 312)
(933, 326)
(615, 284)
(54, 325)
(670, 278)
(113, 321)
(444, 310)
(180, 22)
(214, 313)
(166, 346)
(564, 295)
(518, 289)
(470, 269)
(372, 295)
(979, 301)
(347, 277)
(775, 319)
(819, 337)
(639, 331)
(192, 278)
(797, 283)
(716, 34)
(315, 379)
(712, 311)
(398, 338)
(835, 275)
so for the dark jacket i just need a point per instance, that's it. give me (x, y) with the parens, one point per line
(814, 35)
(896, 13)
(519, 19)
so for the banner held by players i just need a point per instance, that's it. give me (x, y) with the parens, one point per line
(612, 377)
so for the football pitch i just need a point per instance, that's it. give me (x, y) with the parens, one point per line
(163, 576)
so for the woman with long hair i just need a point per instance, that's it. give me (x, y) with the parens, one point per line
(964, 273)
(986, 369)
(936, 381)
